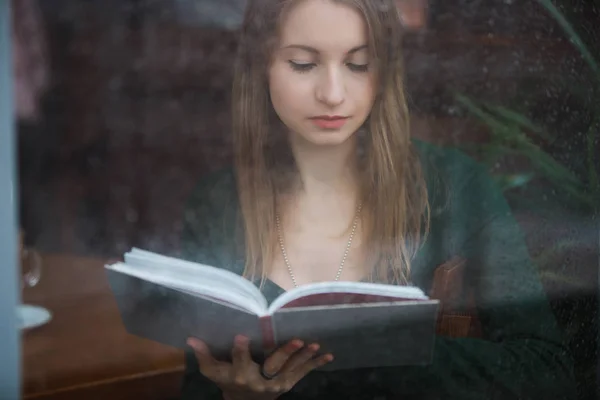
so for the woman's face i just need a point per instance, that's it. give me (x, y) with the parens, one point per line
(320, 80)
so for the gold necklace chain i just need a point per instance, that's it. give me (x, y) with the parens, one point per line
(346, 251)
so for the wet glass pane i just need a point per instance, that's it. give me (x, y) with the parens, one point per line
(438, 161)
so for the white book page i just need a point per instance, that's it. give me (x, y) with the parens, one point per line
(206, 288)
(196, 272)
(377, 289)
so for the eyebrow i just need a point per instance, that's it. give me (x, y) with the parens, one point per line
(315, 51)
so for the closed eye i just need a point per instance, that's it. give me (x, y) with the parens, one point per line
(358, 67)
(301, 67)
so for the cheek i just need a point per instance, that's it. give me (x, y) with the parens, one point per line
(286, 92)
(365, 95)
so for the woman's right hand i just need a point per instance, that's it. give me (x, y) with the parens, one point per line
(242, 379)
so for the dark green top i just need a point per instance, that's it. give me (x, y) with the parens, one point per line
(521, 355)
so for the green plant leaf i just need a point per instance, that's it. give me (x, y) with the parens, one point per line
(482, 114)
(575, 38)
(510, 140)
(515, 138)
(549, 166)
(519, 120)
(512, 181)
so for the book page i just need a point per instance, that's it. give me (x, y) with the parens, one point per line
(205, 287)
(169, 316)
(232, 281)
(330, 293)
(198, 279)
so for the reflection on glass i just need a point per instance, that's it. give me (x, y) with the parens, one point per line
(127, 138)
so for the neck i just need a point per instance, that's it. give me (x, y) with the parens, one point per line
(325, 170)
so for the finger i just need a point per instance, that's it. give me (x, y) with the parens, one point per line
(208, 366)
(310, 365)
(300, 358)
(240, 375)
(241, 352)
(277, 360)
(202, 352)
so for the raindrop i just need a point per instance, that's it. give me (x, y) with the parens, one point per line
(132, 215)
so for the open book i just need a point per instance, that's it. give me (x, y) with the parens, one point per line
(362, 324)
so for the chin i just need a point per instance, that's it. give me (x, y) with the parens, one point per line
(327, 137)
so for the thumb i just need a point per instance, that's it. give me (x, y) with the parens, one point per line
(202, 352)
(213, 369)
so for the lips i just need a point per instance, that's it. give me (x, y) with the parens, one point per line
(329, 121)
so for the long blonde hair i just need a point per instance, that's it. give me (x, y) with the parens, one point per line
(395, 212)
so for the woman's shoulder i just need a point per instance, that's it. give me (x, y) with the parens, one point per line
(456, 182)
(447, 160)
(451, 165)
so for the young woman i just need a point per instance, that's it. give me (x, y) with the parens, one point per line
(328, 185)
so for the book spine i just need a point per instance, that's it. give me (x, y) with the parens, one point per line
(266, 326)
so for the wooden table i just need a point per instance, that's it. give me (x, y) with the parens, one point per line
(84, 352)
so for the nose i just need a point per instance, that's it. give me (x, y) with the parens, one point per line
(331, 89)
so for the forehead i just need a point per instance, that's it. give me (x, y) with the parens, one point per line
(326, 25)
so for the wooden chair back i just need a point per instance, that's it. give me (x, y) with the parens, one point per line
(448, 286)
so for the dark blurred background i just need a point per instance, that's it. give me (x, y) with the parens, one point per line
(137, 110)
